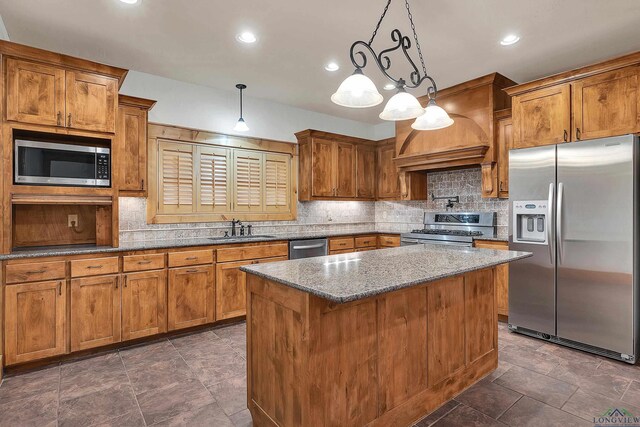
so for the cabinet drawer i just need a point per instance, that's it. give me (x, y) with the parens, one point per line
(366, 242)
(365, 249)
(18, 273)
(142, 262)
(94, 266)
(241, 253)
(491, 244)
(182, 259)
(389, 241)
(341, 243)
(338, 252)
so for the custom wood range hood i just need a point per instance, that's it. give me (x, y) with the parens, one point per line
(469, 141)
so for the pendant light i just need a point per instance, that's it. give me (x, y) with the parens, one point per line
(241, 126)
(434, 117)
(358, 91)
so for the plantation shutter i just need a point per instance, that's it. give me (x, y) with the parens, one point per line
(175, 177)
(248, 179)
(277, 177)
(214, 179)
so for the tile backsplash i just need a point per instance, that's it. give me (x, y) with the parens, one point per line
(331, 216)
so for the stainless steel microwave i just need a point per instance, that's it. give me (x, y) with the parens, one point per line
(52, 163)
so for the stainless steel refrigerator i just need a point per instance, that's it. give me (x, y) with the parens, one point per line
(574, 206)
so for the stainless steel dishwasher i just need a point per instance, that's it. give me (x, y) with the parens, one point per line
(307, 248)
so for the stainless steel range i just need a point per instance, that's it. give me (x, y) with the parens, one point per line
(448, 228)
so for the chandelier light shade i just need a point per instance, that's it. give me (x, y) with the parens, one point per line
(434, 117)
(402, 106)
(357, 91)
(241, 126)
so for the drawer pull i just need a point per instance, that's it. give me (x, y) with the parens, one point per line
(37, 271)
(255, 262)
(191, 258)
(94, 266)
(193, 271)
(144, 262)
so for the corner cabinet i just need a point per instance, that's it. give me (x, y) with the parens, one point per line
(45, 94)
(597, 101)
(131, 145)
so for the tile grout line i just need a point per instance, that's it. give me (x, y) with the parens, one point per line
(510, 406)
(135, 396)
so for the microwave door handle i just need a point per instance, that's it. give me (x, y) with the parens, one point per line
(550, 222)
(559, 222)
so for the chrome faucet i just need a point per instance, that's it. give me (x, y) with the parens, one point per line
(234, 222)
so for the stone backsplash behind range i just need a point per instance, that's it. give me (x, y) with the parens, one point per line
(466, 183)
(330, 216)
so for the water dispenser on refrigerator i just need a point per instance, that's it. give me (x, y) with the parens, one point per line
(530, 219)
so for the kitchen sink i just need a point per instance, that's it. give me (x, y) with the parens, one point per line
(252, 237)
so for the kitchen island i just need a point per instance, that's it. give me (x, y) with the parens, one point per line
(376, 338)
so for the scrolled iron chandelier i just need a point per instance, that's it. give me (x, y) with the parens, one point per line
(358, 91)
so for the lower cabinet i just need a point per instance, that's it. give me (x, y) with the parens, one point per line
(35, 320)
(95, 312)
(190, 297)
(144, 307)
(231, 287)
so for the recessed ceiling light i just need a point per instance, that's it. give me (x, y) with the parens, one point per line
(509, 40)
(332, 66)
(129, 1)
(247, 37)
(389, 86)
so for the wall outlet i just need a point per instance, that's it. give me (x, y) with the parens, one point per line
(71, 220)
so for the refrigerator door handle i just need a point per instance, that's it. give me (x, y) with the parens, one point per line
(559, 221)
(550, 222)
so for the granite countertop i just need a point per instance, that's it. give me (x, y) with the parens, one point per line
(349, 277)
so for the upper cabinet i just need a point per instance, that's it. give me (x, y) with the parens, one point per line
(336, 167)
(52, 95)
(131, 145)
(197, 176)
(596, 101)
(504, 142)
(387, 179)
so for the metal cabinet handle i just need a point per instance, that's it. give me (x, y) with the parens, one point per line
(566, 136)
(125, 281)
(59, 118)
(193, 271)
(559, 221)
(144, 262)
(319, 245)
(59, 288)
(191, 258)
(578, 134)
(36, 271)
(69, 120)
(116, 283)
(143, 184)
(255, 262)
(94, 266)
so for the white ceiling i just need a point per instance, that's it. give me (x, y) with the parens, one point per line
(194, 40)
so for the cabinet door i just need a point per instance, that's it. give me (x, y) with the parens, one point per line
(214, 182)
(607, 104)
(323, 168)
(277, 182)
(365, 172)
(231, 287)
(35, 93)
(248, 181)
(542, 117)
(35, 319)
(505, 142)
(502, 276)
(91, 101)
(144, 309)
(190, 297)
(95, 312)
(388, 182)
(132, 146)
(345, 162)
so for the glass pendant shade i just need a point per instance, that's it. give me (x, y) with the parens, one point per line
(357, 91)
(402, 106)
(434, 117)
(241, 126)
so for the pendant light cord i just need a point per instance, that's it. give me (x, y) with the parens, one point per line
(240, 103)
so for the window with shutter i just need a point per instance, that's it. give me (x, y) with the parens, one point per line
(248, 179)
(277, 176)
(176, 178)
(214, 185)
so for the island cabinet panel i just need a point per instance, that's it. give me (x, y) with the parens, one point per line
(95, 312)
(144, 308)
(190, 297)
(35, 321)
(385, 360)
(445, 347)
(402, 321)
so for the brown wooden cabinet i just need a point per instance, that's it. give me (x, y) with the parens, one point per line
(366, 172)
(95, 312)
(502, 275)
(144, 309)
(323, 168)
(50, 95)
(131, 145)
(190, 297)
(345, 170)
(387, 177)
(35, 321)
(504, 142)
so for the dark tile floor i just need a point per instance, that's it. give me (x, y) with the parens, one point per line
(200, 380)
